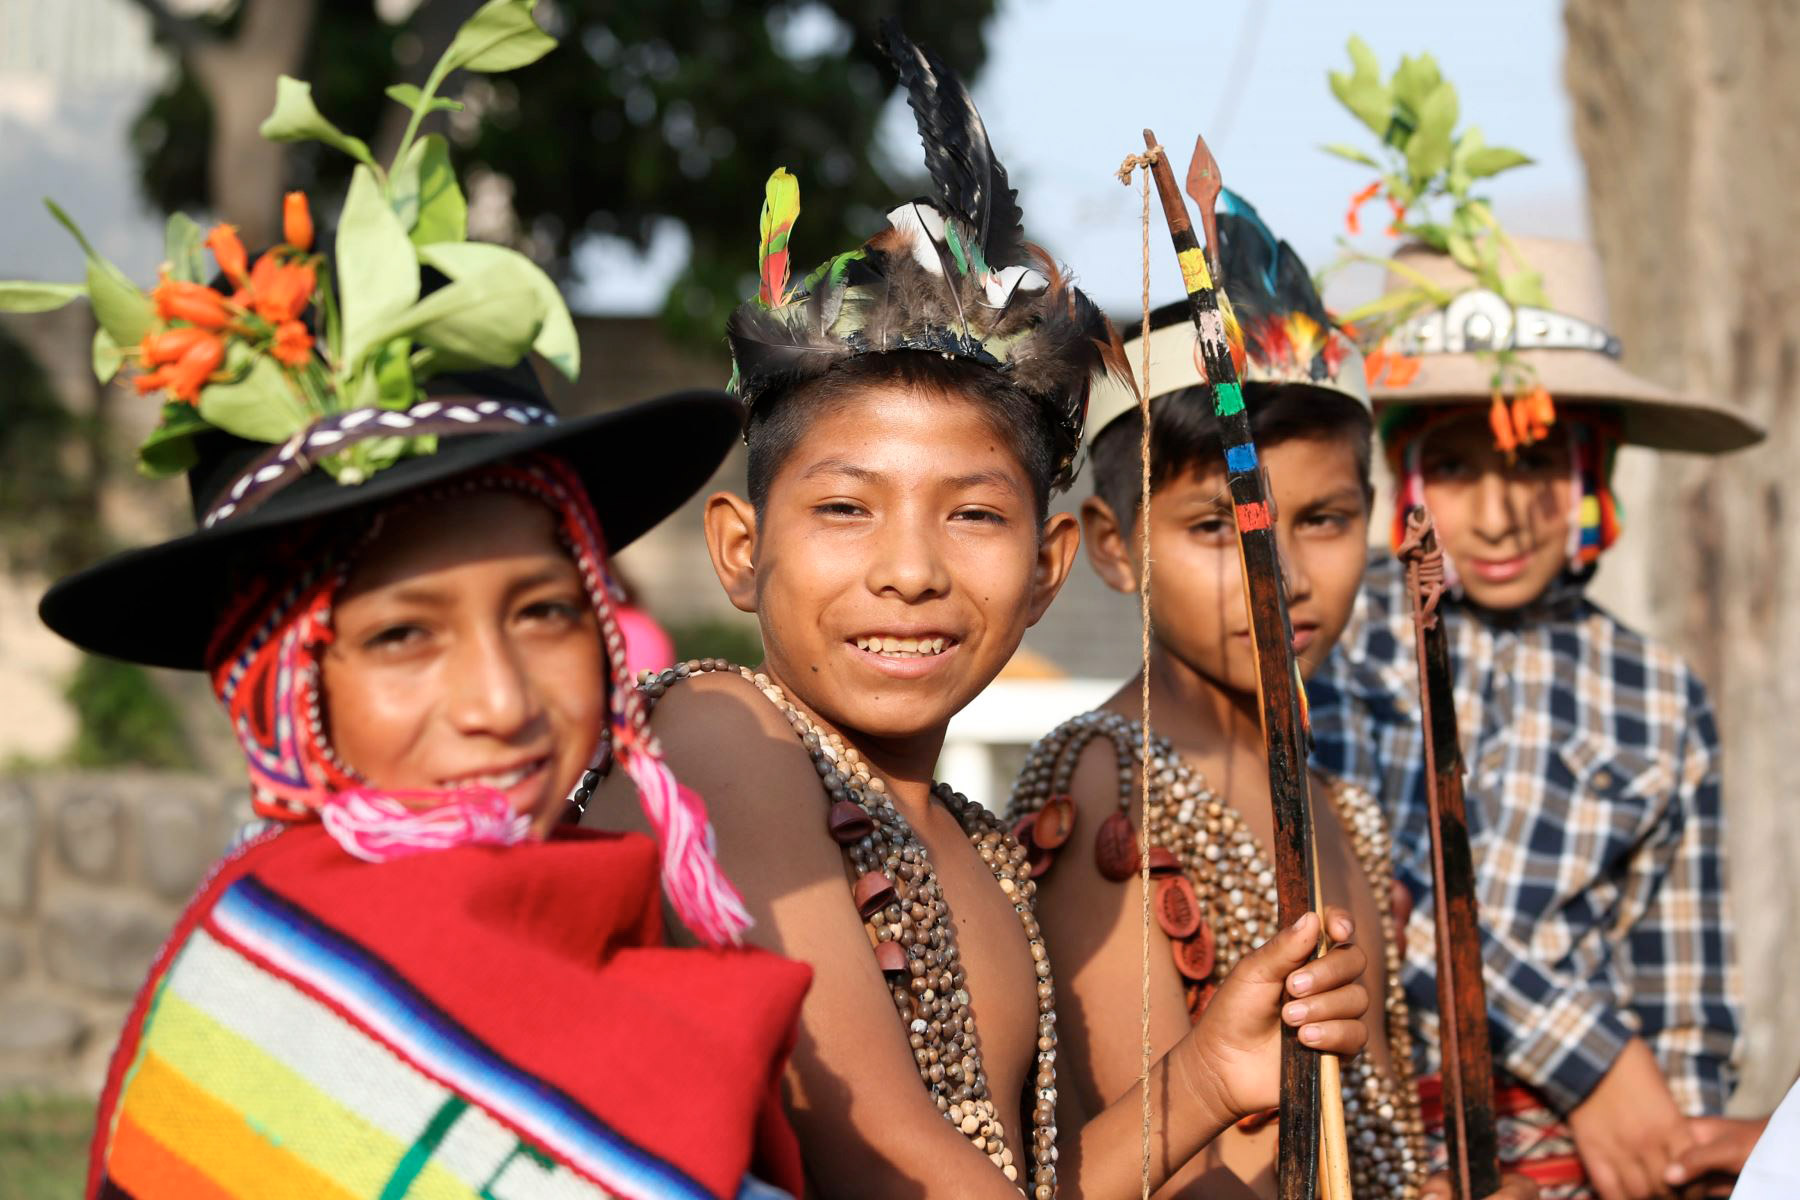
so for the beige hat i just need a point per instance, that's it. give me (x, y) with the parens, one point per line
(1567, 345)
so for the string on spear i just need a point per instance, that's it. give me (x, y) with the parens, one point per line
(1310, 1095)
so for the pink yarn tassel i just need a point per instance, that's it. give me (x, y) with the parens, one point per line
(704, 899)
(377, 827)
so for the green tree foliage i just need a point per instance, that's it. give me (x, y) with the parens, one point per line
(47, 521)
(647, 112)
(125, 720)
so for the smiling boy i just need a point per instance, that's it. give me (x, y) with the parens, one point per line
(1594, 806)
(909, 411)
(1211, 823)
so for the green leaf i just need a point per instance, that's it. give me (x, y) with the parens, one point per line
(297, 119)
(169, 450)
(426, 195)
(1491, 160)
(556, 340)
(182, 243)
(393, 375)
(377, 271)
(1428, 149)
(122, 310)
(410, 96)
(261, 407)
(23, 296)
(1351, 153)
(106, 356)
(1524, 287)
(1432, 234)
(501, 36)
(490, 316)
(1415, 79)
(1462, 249)
(1362, 91)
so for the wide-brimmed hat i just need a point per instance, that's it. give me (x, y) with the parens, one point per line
(1567, 347)
(1289, 338)
(160, 605)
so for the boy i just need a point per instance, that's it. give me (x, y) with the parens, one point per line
(1210, 819)
(421, 662)
(908, 414)
(1593, 793)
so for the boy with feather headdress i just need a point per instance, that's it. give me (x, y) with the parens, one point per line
(909, 409)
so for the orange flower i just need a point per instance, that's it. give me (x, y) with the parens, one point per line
(1351, 220)
(184, 378)
(1500, 421)
(293, 344)
(229, 251)
(281, 291)
(296, 221)
(1402, 371)
(195, 303)
(1399, 211)
(168, 345)
(1543, 408)
(1374, 363)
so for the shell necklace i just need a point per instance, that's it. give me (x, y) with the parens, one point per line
(914, 940)
(1215, 899)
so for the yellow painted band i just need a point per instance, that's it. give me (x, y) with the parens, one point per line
(1193, 270)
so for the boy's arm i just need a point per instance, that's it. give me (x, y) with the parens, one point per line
(1093, 927)
(866, 1126)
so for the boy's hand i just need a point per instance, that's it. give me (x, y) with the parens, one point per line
(1628, 1130)
(1239, 1035)
(1710, 1166)
(1512, 1187)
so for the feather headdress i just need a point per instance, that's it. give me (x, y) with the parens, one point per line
(952, 274)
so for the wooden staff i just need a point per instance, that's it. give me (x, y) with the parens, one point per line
(1467, 1060)
(1298, 1160)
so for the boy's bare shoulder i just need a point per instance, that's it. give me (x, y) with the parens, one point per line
(726, 740)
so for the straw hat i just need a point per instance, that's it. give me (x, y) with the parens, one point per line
(1569, 347)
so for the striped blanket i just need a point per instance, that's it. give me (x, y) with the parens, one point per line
(471, 1023)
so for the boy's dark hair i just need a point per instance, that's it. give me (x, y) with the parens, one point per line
(780, 419)
(1184, 432)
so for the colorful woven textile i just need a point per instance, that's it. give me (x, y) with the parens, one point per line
(467, 1023)
(1534, 1141)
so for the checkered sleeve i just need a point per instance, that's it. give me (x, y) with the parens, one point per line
(1678, 953)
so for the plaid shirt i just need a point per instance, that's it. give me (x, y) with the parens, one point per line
(1595, 822)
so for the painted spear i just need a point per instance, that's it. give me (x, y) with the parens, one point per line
(1271, 638)
(1466, 1058)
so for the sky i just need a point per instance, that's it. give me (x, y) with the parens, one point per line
(1068, 86)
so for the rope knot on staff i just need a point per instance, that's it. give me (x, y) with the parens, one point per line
(1135, 162)
(1424, 560)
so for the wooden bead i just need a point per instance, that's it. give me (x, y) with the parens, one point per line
(890, 957)
(1177, 907)
(848, 822)
(874, 892)
(1163, 861)
(1115, 848)
(1055, 822)
(1194, 956)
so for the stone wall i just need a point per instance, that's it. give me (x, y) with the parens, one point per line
(94, 869)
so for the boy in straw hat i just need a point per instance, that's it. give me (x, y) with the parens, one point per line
(1594, 807)
(909, 410)
(414, 978)
(1076, 802)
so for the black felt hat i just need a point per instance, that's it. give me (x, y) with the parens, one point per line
(160, 605)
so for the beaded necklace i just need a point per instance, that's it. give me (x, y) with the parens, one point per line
(1215, 899)
(914, 940)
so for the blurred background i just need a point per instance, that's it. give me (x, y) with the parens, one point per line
(630, 163)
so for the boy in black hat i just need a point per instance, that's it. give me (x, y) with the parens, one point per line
(400, 590)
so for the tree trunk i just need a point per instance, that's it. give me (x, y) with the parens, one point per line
(1689, 124)
(239, 78)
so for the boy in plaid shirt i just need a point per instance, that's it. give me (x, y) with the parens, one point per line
(1593, 759)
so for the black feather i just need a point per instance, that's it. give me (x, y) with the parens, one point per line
(970, 181)
(1262, 274)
